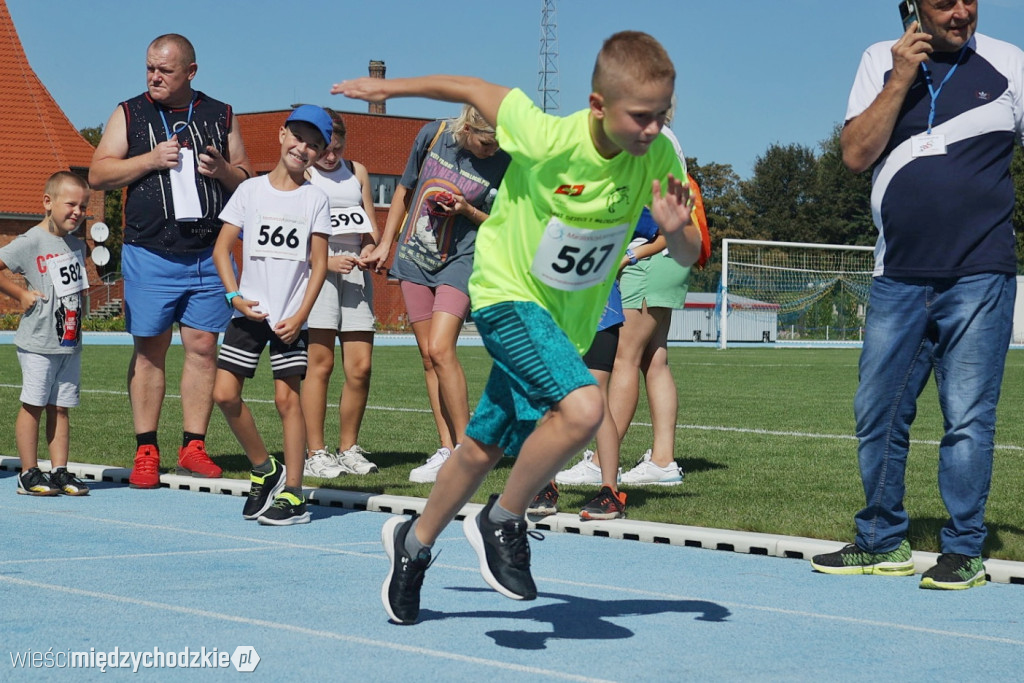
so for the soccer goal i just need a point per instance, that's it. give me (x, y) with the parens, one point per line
(774, 291)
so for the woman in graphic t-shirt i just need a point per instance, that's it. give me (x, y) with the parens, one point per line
(446, 192)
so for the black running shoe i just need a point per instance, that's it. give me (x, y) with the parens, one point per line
(67, 483)
(953, 571)
(287, 509)
(400, 592)
(262, 489)
(503, 551)
(546, 502)
(607, 504)
(33, 482)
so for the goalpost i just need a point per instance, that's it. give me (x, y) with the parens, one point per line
(792, 290)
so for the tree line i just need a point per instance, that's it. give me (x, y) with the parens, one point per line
(800, 194)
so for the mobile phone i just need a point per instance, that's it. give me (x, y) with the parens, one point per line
(909, 14)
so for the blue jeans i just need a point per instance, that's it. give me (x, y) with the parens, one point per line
(960, 328)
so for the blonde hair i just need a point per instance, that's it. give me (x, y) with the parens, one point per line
(470, 118)
(55, 183)
(631, 56)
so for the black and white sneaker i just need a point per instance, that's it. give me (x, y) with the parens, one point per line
(263, 488)
(67, 483)
(503, 551)
(33, 482)
(400, 592)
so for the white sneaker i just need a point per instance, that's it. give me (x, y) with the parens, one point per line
(646, 472)
(586, 471)
(321, 464)
(426, 474)
(352, 461)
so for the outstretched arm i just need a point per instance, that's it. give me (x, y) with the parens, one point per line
(485, 96)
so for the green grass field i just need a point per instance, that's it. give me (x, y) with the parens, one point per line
(764, 436)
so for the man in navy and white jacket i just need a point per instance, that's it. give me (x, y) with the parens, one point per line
(936, 114)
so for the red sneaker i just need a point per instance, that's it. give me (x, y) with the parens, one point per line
(146, 473)
(193, 459)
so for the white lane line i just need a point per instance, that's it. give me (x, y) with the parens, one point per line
(302, 630)
(566, 582)
(696, 428)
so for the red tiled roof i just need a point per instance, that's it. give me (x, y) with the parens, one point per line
(36, 138)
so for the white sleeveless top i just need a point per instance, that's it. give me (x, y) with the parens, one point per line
(345, 191)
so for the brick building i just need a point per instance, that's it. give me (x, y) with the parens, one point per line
(37, 141)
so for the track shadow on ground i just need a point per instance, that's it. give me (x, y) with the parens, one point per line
(577, 618)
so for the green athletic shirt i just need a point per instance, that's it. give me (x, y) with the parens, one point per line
(563, 216)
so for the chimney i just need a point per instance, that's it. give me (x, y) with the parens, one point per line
(377, 70)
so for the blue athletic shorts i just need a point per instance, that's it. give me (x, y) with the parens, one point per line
(535, 367)
(161, 288)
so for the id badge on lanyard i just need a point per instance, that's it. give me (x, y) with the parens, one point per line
(930, 144)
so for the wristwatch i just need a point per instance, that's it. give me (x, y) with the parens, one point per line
(629, 254)
(231, 295)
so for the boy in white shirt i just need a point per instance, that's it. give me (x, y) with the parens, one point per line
(284, 222)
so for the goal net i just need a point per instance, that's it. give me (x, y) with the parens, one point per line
(774, 291)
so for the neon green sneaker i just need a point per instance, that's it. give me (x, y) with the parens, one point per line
(955, 572)
(855, 560)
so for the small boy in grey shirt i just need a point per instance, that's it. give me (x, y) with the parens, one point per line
(49, 335)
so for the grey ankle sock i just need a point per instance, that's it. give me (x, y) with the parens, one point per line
(412, 544)
(500, 515)
(265, 468)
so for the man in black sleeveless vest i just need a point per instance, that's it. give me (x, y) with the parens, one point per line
(180, 154)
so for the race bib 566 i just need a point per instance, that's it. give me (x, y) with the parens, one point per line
(281, 237)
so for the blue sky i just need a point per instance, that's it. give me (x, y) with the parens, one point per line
(751, 72)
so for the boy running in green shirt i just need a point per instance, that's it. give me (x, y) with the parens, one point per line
(545, 262)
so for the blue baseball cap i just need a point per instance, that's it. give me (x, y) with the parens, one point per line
(315, 116)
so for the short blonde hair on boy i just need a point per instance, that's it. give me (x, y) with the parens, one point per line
(631, 56)
(55, 183)
(470, 118)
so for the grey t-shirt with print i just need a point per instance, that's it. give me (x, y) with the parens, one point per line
(52, 326)
(433, 249)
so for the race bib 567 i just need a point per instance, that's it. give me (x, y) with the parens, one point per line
(572, 258)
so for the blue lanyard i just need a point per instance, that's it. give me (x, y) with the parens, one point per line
(934, 92)
(179, 126)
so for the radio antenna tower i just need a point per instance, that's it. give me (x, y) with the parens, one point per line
(548, 85)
